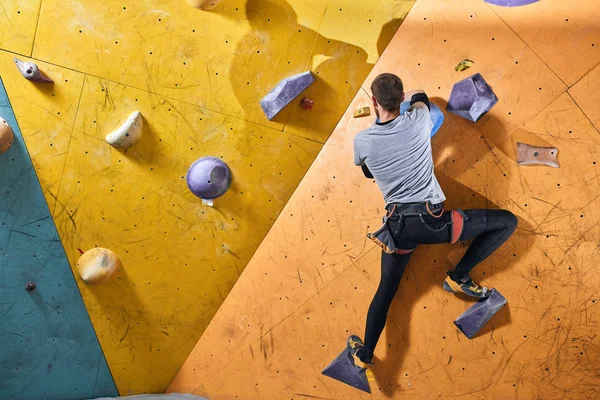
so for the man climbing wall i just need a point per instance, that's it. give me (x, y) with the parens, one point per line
(396, 152)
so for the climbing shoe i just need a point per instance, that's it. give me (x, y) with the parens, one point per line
(355, 346)
(465, 286)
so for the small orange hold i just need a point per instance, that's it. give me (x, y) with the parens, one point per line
(362, 112)
(307, 103)
(6, 136)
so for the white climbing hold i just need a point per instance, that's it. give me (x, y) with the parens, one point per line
(204, 4)
(31, 71)
(208, 202)
(97, 265)
(129, 133)
(6, 136)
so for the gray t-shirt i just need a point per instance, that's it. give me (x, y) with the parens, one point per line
(398, 154)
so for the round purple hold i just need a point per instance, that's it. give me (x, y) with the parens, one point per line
(511, 3)
(209, 178)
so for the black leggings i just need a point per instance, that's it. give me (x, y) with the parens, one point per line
(489, 229)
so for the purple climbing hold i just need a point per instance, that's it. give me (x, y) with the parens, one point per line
(30, 286)
(209, 178)
(472, 320)
(285, 91)
(31, 71)
(471, 98)
(511, 3)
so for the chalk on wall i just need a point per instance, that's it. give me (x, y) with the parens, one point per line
(6, 136)
(31, 71)
(97, 265)
(129, 133)
(204, 4)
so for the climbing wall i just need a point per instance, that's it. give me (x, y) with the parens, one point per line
(295, 304)
(18, 22)
(50, 350)
(197, 77)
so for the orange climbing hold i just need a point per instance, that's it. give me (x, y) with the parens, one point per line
(536, 155)
(6, 136)
(362, 112)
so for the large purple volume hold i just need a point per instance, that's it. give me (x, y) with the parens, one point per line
(471, 98)
(209, 178)
(285, 91)
(511, 3)
(472, 320)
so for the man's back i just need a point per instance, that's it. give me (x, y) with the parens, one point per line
(398, 154)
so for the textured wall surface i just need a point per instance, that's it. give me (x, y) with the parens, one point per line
(49, 348)
(197, 77)
(293, 307)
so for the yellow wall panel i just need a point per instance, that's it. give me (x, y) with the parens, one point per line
(226, 60)
(197, 77)
(170, 48)
(349, 42)
(46, 114)
(18, 19)
(180, 258)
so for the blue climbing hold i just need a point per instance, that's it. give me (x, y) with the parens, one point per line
(437, 116)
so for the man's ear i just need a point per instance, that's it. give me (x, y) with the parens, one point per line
(403, 97)
(374, 101)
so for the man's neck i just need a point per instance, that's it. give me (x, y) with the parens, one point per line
(387, 116)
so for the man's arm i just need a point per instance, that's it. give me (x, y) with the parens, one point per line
(359, 159)
(416, 96)
(409, 95)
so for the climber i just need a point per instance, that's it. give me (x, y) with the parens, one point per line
(396, 152)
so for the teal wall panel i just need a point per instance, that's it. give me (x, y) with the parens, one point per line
(48, 347)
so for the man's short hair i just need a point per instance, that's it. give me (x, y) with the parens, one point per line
(388, 90)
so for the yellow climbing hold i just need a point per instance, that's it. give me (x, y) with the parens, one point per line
(362, 112)
(464, 64)
(97, 265)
